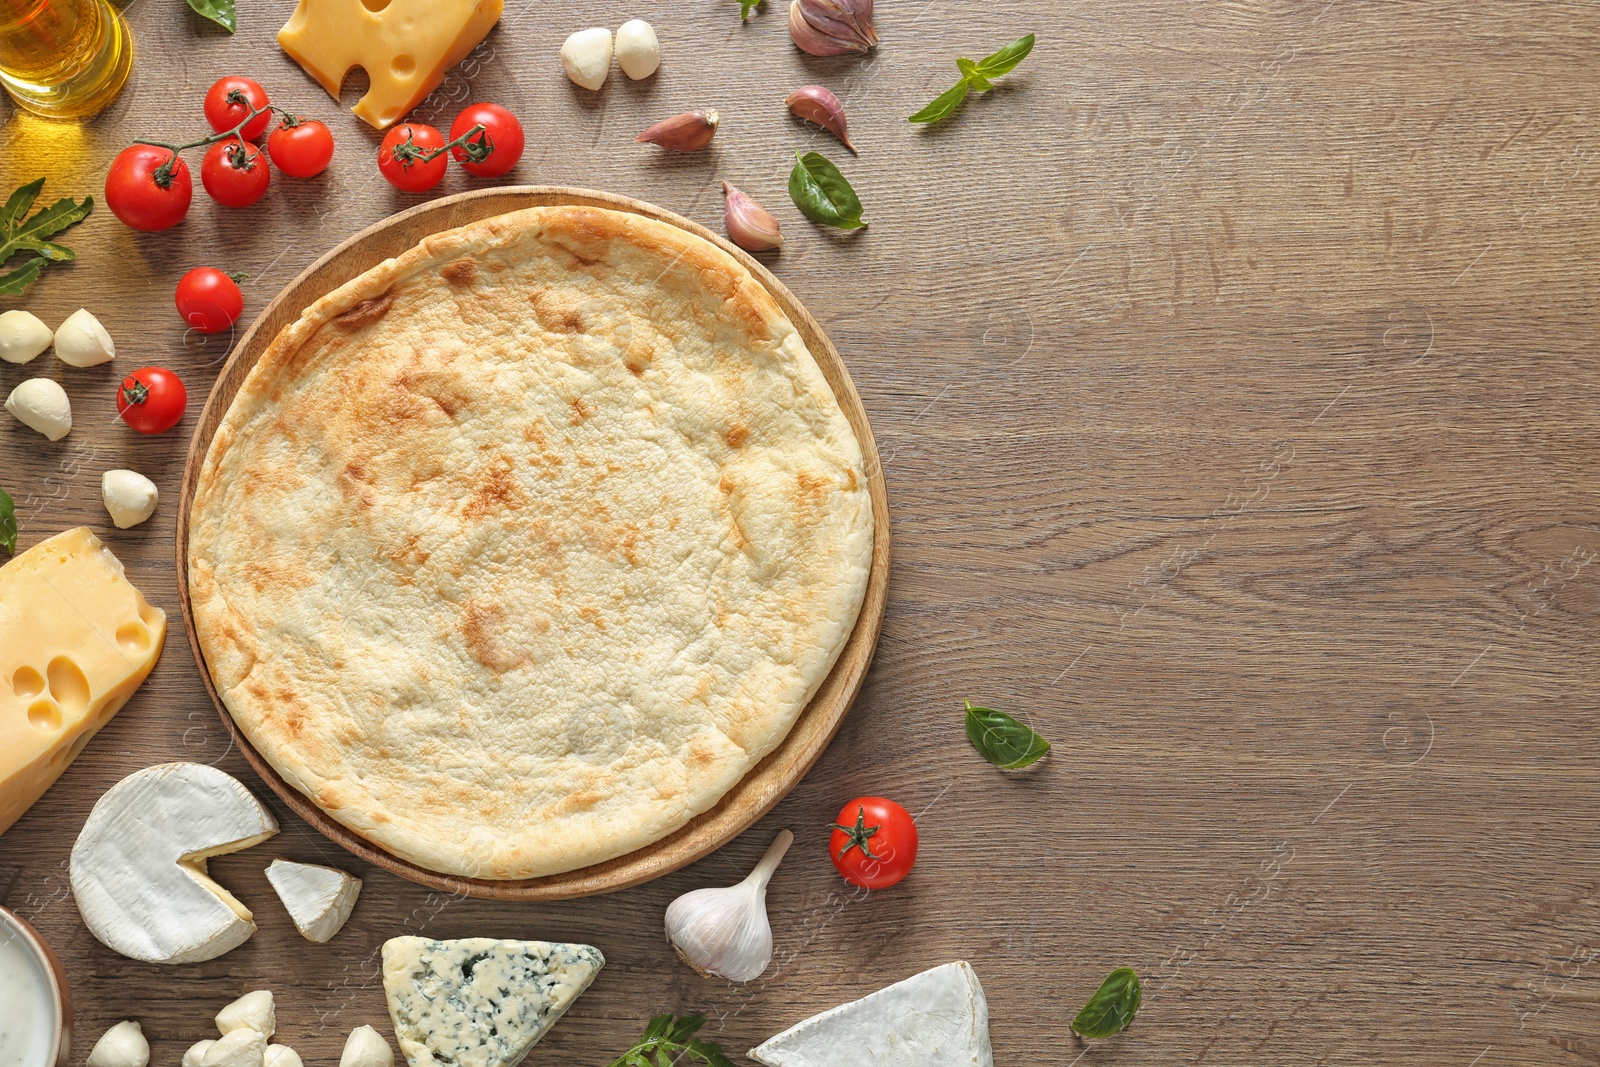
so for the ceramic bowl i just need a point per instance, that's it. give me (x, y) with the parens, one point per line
(13, 927)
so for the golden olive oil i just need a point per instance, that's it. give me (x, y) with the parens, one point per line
(63, 58)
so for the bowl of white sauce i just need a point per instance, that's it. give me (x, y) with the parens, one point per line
(35, 1010)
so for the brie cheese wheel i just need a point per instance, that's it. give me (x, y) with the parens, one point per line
(138, 869)
(478, 1002)
(938, 1018)
(319, 899)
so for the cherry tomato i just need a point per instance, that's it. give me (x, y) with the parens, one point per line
(874, 843)
(151, 400)
(224, 113)
(235, 173)
(136, 195)
(301, 150)
(400, 157)
(209, 300)
(501, 139)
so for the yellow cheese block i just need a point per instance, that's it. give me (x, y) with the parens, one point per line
(76, 639)
(405, 46)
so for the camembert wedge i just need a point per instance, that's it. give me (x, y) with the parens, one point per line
(139, 866)
(938, 1018)
(479, 1002)
(76, 639)
(318, 899)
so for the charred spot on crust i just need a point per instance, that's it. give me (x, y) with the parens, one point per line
(461, 272)
(737, 435)
(365, 313)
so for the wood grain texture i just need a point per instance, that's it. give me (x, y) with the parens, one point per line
(1233, 370)
(769, 780)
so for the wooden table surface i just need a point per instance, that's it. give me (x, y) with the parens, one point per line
(1234, 369)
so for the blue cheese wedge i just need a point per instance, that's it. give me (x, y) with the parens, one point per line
(479, 1002)
(938, 1018)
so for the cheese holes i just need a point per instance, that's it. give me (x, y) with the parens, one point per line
(402, 65)
(68, 685)
(374, 5)
(133, 637)
(44, 715)
(27, 683)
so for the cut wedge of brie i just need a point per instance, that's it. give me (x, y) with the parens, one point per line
(478, 1002)
(938, 1018)
(319, 899)
(139, 866)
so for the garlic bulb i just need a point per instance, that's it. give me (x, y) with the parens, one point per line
(724, 931)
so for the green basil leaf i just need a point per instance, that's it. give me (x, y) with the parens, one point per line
(749, 6)
(8, 522)
(975, 79)
(944, 103)
(1002, 740)
(13, 283)
(1112, 1007)
(823, 194)
(1005, 61)
(219, 11)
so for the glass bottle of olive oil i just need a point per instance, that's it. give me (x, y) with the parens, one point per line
(63, 58)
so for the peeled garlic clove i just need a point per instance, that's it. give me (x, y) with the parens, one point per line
(22, 336)
(750, 226)
(638, 50)
(814, 103)
(123, 1045)
(724, 931)
(130, 498)
(42, 405)
(82, 342)
(587, 57)
(196, 1053)
(687, 132)
(282, 1056)
(365, 1047)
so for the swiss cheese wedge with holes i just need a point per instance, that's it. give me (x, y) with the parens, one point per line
(76, 639)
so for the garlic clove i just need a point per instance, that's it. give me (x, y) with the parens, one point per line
(750, 226)
(123, 1045)
(130, 498)
(832, 27)
(809, 39)
(724, 931)
(688, 132)
(586, 55)
(197, 1052)
(22, 336)
(638, 49)
(41, 404)
(365, 1047)
(814, 103)
(82, 342)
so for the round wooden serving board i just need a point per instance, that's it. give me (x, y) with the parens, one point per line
(771, 779)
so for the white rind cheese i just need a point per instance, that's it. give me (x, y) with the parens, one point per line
(139, 866)
(938, 1018)
(479, 1002)
(318, 899)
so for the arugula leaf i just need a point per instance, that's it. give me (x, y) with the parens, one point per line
(822, 193)
(18, 233)
(667, 1038)
(219, 11)
(8, 522)
(1002, 740)
(976, 77)
(1112, 1007)
(748, 6)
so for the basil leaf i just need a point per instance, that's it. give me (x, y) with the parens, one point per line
(749, 6)
(943, 104)
(1112, 1007)
(1005, 61)
(823, 194)
(975, 79)
(1002, 740)
(219, 11)
(8, 522)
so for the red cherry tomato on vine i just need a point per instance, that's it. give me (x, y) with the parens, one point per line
(301, 150)
(874, 843)
(235, 173)
(224, 114)
(136, 195)
(151, 400)
(501, 137)
(209, 300)
(401, 157)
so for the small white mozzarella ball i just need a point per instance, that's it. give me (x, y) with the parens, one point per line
(587, 57)
(130, 498)
(244, 1047)
(40, 404)
(253, 1009)
(197, 1052)
(22, 336)
(121, 1046)
(82, 342)
(365, 1047)
(282, 1056)
(638, 50)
